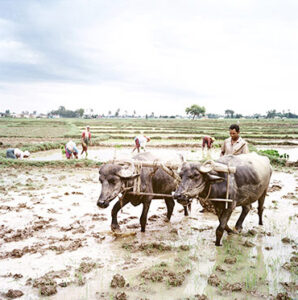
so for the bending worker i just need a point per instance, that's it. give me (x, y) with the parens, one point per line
(71, 149)
(140, 142)
(207, 141)
(16, 153)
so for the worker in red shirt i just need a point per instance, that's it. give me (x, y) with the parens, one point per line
(207, 142)
(86, 140)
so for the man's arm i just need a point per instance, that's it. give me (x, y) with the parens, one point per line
(223, 149)
(245, 149)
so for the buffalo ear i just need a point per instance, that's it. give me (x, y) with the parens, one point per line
(214, 179)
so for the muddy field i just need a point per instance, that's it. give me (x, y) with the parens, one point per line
(56, 243)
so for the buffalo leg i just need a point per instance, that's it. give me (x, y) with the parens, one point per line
(115, 210)
(170, 206)
(187, 209)
(261, 208)
(219, 209)
(223, 220)
(245, 210)
(229, 230)
(143, 219)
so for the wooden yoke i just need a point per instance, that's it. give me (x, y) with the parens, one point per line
(167, 167)
(226, 169)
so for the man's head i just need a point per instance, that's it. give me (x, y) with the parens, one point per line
(234, 132)
(88, 128)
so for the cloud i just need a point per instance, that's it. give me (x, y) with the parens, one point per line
(229, 54)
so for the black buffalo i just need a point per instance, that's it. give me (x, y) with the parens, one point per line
(247, 185)
(115, 178)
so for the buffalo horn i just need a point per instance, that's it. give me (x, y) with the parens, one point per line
(207, 166)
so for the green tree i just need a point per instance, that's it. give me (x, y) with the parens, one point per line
(80, 112)
(229, 113)
(195, 111)
(271, 114)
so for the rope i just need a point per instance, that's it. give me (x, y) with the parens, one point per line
(195, 192)
(209, 191)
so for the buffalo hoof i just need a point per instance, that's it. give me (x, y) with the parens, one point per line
(238, 230)
(217, 244)
(115, 227)
(230, 232)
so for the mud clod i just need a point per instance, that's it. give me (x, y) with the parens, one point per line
(118, 281)
(120, 296)
(230, 260)
(12, 294)
(282, 296)
(274, 188)
(250, 233)
(63, 284)
(286, 240)
(86, 267)
(48, 290)
(175, 279)
(213, 280)
(184, 247)
(220, 269)
(148, 248)
(290, 286)
(172, 278)
(201, 297)
(174, 231)
(248, 244)
(235, 287)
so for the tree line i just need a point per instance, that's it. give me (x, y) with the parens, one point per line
(196, 111)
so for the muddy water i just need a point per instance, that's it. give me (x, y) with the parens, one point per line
(105, 154)
(58, 220)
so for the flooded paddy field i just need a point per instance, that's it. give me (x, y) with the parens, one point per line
(56, 243)
(104, 154)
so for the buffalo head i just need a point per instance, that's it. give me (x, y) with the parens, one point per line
(194, 178)
(112, 177)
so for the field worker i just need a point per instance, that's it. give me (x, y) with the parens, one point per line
(140, 142)
(71, 149)
(234, 144)
(16, 153)
(86, 140)
(207, 141)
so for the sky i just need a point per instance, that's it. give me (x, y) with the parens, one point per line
(156, 56)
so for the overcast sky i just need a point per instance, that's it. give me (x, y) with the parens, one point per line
(150, 56)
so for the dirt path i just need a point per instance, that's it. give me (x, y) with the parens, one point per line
(55, 241)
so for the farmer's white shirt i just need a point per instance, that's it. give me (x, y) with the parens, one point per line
(70, 145)
(18, 153)
(142, 140)
(239, 147)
